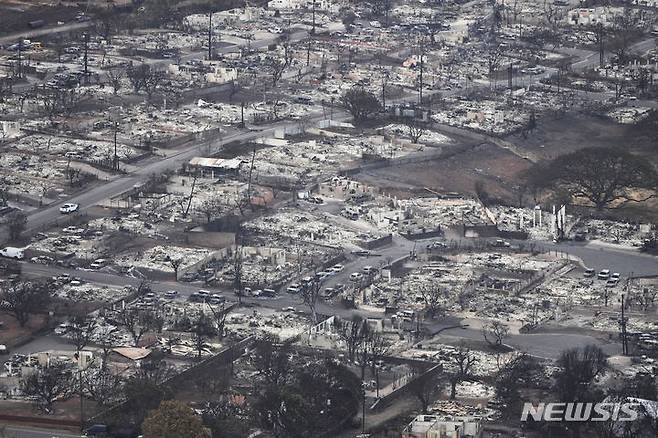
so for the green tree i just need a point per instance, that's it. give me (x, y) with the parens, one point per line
(522, 371)
(602, 176)
(173, 419)
(578, 370)
(360, 103)
(24, 298)
(318, 396)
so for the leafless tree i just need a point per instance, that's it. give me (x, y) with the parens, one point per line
(220, 313)
(189, 199)
(271, 359)
(138, 76)
(72, 173)
(47, 385)
(370, 348)
(153, 81)
(175, 264)
(277, 68)
(426, 387)
(137, 323)
(353, 332)
(202, 330)
(415, 128)
(433, 297)
(552, 15)
(620, 87)
(494, 56)
(495, 333)
(81, 330)
(210, 207)
(462, 363)
(60, 101)
(310, 295)
(102, 385)
(114, 77)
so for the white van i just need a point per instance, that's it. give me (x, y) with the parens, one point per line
(12, 253)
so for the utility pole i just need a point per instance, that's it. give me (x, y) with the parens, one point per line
(78, 357)
(210, 36)
(242, 114)
(363, 409)
(313, 29)
(520, 26)
(86, 59)
(422, 67)
(251, 171)
(624, 342)
(116, 157)
(510, 75)
(115, 115)
(599, 30)
(20, 59)
(308, 53)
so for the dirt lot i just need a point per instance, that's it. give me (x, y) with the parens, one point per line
(495, 167)
(499, 169)
(555, 137)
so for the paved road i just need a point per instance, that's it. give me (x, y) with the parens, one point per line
(544, 345)
(626, 262)
(120, 184)
(15, 37)
(32, 432)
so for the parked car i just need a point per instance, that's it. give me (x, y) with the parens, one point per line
(294, 288)
(171, 294)
(337, 268)
(580, 237)
(268, 293)
(96, 429)
(604, 274)
(589, 273)
(355, 276)
(68, 208)
(499, 243)
(98, 263)
(42, 260)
